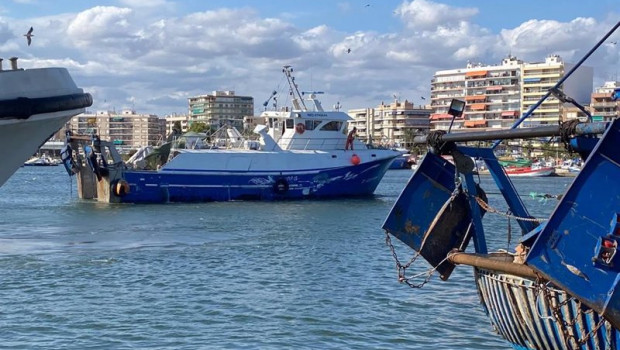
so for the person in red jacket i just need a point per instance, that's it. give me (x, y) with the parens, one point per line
(350, 139)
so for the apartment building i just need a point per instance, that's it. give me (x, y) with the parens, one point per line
(492, 94)
(497, 95)
(538, 78)
(392, 125)
(603, 106)
(127, 130)
(171, 120)
(220, 108)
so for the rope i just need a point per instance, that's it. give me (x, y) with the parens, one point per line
(567, 129)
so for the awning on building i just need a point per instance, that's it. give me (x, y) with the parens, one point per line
(439, 116)
(479, 73)
(510, 113)
(494, 88)
(475, 97)
(475, 123)
(531, 80)
(602, 95)
(477, 107)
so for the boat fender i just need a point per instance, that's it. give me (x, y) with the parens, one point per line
(91, 159)
(280, 186)
(355, 159)
(120, 188)
(300, 128)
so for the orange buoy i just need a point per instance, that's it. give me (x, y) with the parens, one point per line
(355, 159)
(300, 128)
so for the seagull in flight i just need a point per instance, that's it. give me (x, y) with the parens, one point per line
(29, 36)
(349, 50)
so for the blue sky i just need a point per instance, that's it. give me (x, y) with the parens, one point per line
(151, 55)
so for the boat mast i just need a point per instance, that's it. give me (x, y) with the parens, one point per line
(298, 101)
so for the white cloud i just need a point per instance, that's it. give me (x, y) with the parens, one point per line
(144, 3)
(155, 59)
(427, 15)
(534, 37)
(101, 25)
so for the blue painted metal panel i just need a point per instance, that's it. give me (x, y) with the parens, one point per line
(503, 184)
(425, 219)
(568, 250)
(205, 186)
(529, 318)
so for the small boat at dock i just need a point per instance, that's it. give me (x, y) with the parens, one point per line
(535, 170)
(405, 161)
(42, 161)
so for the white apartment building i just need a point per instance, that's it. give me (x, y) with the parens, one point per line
(220, 108)
(497, 95)
(390, 125)
(172, 119)
(603, 108)
(127, 130)
(538, 78)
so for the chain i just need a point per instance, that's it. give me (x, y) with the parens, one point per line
(566, 326)
(402, 268)
(484, 205)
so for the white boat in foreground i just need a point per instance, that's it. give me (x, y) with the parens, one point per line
(301, 154)
(34, 104)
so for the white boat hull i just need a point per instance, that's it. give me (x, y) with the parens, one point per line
(532, 173)
(35, 104)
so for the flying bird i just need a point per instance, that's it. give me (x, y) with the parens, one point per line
(29, 36)
(422, 97)
(613, 42)
(349, 50)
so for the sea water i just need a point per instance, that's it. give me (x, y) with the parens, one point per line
(76, 274)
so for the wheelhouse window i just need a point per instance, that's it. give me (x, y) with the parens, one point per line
(289, 123)
(334, 125)
(312, 124)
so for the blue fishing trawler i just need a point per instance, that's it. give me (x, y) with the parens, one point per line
(301, 152)
(558, 289)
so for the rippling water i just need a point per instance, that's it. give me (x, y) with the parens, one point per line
(284, 275)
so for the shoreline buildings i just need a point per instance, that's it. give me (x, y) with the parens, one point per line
(128, 129)
(391, 125)
(603, 108)
(220, 108)
(497, 95)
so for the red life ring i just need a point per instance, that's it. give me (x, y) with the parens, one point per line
(300, 128)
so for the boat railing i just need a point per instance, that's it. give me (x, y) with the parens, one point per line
(326, 143)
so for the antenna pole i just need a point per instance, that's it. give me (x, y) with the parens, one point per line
(288, 70)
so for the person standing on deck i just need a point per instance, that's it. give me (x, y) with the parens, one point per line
(350, 139)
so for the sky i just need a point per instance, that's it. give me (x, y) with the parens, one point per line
(152, 55)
